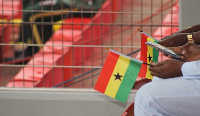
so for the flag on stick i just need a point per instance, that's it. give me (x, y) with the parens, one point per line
(147, 54)
(118, 75)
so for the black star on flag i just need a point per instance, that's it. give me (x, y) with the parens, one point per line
(118, 76)
(149, 57)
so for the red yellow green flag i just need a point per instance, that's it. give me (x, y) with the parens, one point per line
(147, 54)
(118, 75)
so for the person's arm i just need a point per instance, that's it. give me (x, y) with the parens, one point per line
(180, 38)
(196, 37)
(192, 29)
(175, 40)
(191, 70)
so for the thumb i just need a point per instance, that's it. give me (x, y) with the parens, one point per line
(184, 52)
(176, 49)
(157, 63)
(185, 48)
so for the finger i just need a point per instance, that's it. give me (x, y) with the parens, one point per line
(155, 69)
(157, 64)
(187, 45)
(164, 43)
(164, 54)
(155, 74)
(177, 49)
(186, 58)
(184, 52)
(183, 58)
(171, 48)
(152, 63)
(185, 48)
(169, 56)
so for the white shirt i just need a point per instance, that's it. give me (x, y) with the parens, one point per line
(191, 70)
(179, 96)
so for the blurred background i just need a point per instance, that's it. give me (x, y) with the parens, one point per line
(52, 51)
(61, 43)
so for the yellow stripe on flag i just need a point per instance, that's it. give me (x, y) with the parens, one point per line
(149, 54)
(120, 68)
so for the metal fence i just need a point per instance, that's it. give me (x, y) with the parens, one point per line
(61, 43)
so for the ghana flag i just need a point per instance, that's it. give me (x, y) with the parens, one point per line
(147, 54)
(118, 75)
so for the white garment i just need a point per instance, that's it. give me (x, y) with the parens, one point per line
(191, 70)
(178, 96)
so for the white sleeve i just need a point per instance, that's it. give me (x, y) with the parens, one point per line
(191, 70)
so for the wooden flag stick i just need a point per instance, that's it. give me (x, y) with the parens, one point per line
(140, 30)
(147, 64)
(108, 48)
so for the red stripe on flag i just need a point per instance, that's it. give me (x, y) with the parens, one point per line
(106, 72)
(143, 54)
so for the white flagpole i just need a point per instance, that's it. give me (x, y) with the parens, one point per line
(125, 55)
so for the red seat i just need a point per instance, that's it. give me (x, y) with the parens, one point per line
(67, 35)
(76, 23)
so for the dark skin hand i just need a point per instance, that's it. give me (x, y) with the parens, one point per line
(178, 43)
(180, 39)
(194, 28)
(175, 40)
(166, 69)
(189, 52)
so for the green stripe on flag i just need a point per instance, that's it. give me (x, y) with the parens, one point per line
(155, 54)
(128, 81)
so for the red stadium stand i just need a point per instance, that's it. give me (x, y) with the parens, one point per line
(10, 9)
(3, 28)
(54, 54)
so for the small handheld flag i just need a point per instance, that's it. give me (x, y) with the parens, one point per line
(118, 75)
(147, 55)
